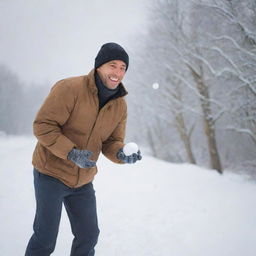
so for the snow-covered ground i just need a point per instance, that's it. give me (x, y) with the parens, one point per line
(152, 208)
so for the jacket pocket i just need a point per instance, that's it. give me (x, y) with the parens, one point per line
(58, 165)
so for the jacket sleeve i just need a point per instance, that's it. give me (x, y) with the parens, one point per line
(52, 115)
(115, 142)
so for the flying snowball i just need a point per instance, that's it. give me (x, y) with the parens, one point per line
(155, 86)
(130, 148)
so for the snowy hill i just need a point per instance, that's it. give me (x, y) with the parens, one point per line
(152, 208)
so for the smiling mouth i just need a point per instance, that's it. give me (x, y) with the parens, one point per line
(113, 79)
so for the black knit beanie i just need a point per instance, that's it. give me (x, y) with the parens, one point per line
(111, 51)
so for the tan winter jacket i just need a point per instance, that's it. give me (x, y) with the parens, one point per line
(70, 117)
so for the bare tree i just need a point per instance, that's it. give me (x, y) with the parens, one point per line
(227, 45)
(202, 54)
(165, 106)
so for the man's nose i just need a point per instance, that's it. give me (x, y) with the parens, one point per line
(118, 72)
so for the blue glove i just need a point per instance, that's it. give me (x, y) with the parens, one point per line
(128, 159)
(81, 158)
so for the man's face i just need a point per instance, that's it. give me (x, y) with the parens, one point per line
(111, 73)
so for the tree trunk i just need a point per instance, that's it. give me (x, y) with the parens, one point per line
(185, 138)
(151, 142)
(208, 120)
(180, 124)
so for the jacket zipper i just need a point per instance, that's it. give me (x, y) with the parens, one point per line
(97, 103)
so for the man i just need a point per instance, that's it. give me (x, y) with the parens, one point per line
(81, 117)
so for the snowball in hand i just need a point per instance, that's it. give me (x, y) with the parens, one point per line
(130, 148)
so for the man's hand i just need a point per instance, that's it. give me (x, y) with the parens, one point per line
(128, 159)
(81, 158)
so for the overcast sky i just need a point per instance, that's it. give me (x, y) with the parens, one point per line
(44, 41)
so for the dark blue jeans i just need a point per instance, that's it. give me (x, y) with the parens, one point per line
(80, 204)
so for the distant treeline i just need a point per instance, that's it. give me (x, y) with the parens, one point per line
(18, 103)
